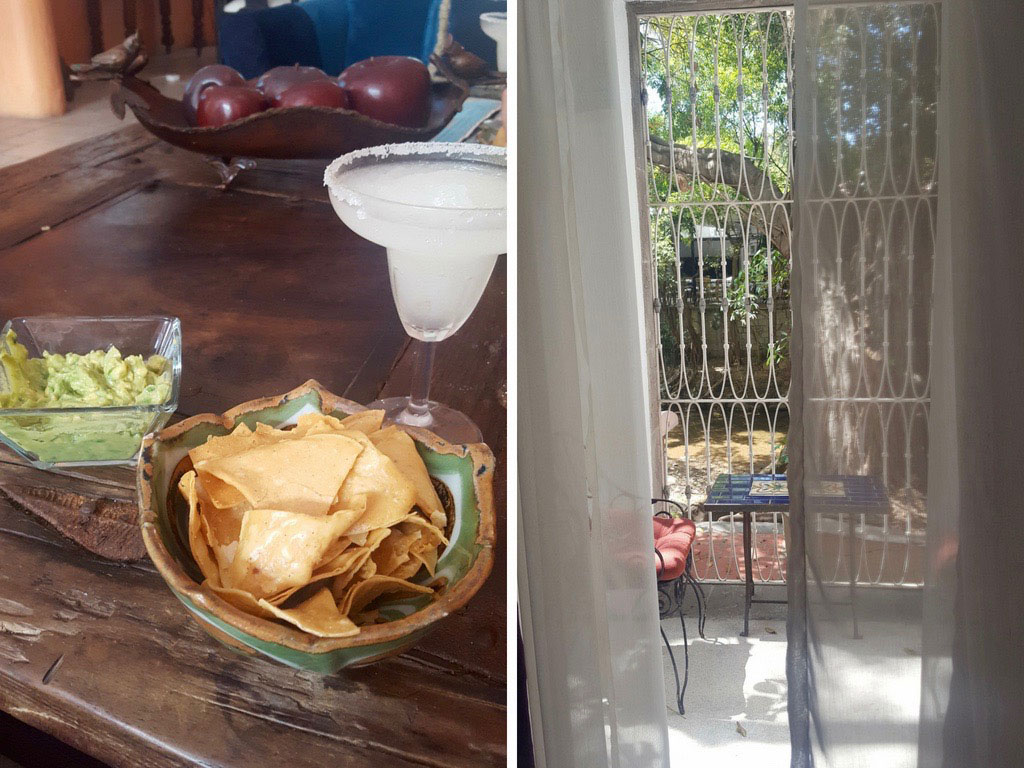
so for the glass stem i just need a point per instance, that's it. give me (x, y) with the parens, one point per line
(418, 410)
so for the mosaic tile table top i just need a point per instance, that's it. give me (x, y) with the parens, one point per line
(830, 494)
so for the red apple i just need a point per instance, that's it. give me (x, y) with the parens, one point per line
(395, 89)
(222, 104)
(212, 74)
(276, 81)
(314, 93)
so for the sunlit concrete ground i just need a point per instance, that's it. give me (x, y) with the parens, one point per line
(733, 680)
(870, 690)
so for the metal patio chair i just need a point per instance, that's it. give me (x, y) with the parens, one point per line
(673, 563)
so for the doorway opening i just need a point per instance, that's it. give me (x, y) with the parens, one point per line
(716, 91)
(715, 119)
(717, 96)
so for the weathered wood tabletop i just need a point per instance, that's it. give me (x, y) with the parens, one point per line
(271, 289)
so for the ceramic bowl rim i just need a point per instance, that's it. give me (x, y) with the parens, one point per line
(455, 597)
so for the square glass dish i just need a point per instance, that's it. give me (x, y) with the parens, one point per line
(93, 435)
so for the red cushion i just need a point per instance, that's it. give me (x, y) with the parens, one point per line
(673, 538)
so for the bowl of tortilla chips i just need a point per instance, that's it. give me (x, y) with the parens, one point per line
(303, 529)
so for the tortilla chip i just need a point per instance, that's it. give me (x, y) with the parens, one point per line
(240, 439)
(347, 560)
(240, 599)
(366, 422)
(342, 507)
(219, 493)
(220, 527)
(422, 554)
(423, 551)
(401, 449)
(389, 495)
(430, 531)
(223, 524)
(428, 557)
(196, 537)
(409, 568)
(422, 558)
(337, 548)
(315, 423)
(369, 569)
(297, 475)
(366, 617)
(273, 434)
(365, 592)
(394, 551)
(431, 540)
(318, 616)
(344, 579)
(279, 549)
(333, 559)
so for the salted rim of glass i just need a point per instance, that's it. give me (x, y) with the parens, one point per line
(409, 149)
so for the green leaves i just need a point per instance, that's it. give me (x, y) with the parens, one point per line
(755, 278)
(721, 82)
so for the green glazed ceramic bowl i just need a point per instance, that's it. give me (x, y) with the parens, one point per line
(465, 470)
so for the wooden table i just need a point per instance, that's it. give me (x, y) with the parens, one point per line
(271, 290)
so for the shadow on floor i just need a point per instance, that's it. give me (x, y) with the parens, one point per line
(734, 681)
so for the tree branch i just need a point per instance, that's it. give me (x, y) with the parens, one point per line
(729, 168)
(714, 167)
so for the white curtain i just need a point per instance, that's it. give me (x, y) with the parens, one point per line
(906, 620)
(587, 583)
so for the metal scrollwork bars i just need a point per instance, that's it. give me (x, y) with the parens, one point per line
(725, 374)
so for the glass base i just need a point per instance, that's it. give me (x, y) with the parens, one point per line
(447, 423)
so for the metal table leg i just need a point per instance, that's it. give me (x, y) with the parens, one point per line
(852, 535)
(748, 567)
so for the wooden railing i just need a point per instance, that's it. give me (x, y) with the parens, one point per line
(129, 11)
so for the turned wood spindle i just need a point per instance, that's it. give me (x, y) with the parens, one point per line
(94, 16)
(166, 36)
(128, 12)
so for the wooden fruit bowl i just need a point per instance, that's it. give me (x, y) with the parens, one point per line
(280, 133)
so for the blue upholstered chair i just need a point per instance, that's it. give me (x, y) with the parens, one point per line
(331, 34)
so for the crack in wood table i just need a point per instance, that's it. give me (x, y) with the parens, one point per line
(272, 290)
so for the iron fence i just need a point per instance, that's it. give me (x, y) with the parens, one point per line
(717, 95)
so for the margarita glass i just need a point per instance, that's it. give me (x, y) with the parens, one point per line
(439, 209)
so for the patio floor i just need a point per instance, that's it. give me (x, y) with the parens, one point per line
(873, 682)
(720, 554)
(733, 680)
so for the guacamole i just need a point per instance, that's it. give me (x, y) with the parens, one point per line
(96, 379)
